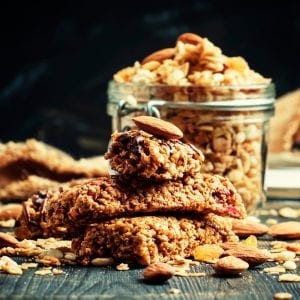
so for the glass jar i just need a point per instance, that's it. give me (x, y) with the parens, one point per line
(228, 123)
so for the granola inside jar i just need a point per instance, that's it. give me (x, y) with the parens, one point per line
(221, 105)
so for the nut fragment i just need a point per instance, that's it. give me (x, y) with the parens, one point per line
(290, 265)
(190, 38)
(9, 266)
(158, 272)
(102, 261)
(288, 212)
(243, 228)
(10, 211)
(159, 55)
(286, 230)
(289, 278)
(122, 267)
(283, 296)
(230, 265)
(7, 240)
(158, 127)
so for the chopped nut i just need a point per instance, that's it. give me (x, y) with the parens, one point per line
(122, 267)
(283, 296)
(271, 221)
(70, 256)
(288, 212)
(8, 223)
(102, 261)
(250, 241)
(175, 291)
(289, 278)
(57, 271)
(10, 266)
(28, 265)
(290, 265)
(284, 256)
(274, 270)
(43, 272)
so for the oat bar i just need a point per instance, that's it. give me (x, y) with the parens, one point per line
(138, 153)
(106, 198)
(146, 240)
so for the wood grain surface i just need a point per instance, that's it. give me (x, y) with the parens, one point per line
(108, 283)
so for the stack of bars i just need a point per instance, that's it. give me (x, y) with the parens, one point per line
(156, 207)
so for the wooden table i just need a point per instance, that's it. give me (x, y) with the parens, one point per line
(107, 283)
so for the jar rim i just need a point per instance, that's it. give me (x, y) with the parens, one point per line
(161, 85)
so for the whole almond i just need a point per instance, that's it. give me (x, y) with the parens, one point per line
(230, 265)
(158, 272)
(7, 240)
(158, 127)
(190, 38)
(253, 256)
(243, 228)
(10, 211)
(285, 230)
(159, 55)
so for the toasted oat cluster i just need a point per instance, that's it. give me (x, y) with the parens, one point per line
(193, 61)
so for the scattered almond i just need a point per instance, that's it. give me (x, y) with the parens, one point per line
(158, 127)
(284, 256)
(7, 240)
(158, 272)
(244, 228)
(190, 38)
(10, 211)
(251, 255)
(159, 55)
(285, 230)
(274, 270)
(230, 265)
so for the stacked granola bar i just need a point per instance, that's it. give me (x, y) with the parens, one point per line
(156, 207)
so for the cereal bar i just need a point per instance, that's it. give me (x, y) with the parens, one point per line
(107, 198)
(146, 240)
(139, 153)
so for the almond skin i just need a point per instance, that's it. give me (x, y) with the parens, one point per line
(10, 211)
(244, 228)
(230, 265)
(253, 256)
(158, 127)
(159, 55)
(158, 272)
(285, 230)
(190, 38)
(6, 240)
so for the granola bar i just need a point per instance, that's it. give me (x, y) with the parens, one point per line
(139, 153)
(27, 167)
(107, 198)
(150, 239)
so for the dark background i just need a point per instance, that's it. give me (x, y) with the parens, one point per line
(58, 56)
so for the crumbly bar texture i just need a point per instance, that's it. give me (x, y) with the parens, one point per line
(141, 154)
(150, 239)
(28, 166)
(30, 223)
(106, 198)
